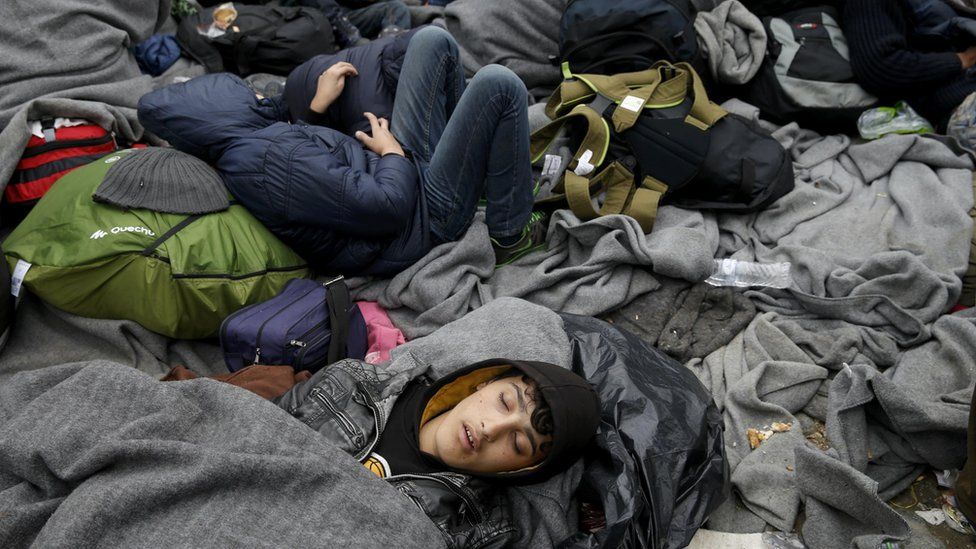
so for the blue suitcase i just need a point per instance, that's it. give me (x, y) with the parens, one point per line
(306, 326)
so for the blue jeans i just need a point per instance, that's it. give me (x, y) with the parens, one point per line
(370, 20)
(475, 140)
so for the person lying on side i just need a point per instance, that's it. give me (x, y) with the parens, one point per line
(450, 444)
(377, 202)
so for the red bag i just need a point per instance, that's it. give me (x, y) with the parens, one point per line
(45, 160)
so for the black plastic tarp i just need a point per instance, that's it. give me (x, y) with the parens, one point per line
(658, 466)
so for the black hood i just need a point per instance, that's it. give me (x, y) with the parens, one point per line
(574, 404)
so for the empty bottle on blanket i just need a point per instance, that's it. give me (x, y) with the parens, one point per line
(743, 274)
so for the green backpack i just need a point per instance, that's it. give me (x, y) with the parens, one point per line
(174, 274)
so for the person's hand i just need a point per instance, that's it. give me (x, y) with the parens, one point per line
(382, 142)
(968, 57)
(330, 86)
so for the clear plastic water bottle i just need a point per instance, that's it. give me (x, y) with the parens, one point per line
(745, 274)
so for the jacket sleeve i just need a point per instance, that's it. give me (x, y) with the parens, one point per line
(326, 193)
(881, 57)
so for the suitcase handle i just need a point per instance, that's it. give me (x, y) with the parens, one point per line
(337, 298)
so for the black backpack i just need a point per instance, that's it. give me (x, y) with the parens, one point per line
(807, 76)
(653, 137)
(763, 8)
(609, 37)
(265, 39)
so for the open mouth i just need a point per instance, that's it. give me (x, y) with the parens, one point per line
(467, 438)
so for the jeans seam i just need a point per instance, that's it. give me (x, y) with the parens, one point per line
(429, 112)
(467, 156)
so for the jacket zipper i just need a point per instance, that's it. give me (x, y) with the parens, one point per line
(468, 499)
(376, 422)
(257, 340)
(344, 422)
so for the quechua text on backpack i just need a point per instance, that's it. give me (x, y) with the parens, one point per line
(653, 137)
(174, 274)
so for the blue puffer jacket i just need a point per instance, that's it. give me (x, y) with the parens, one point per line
(379, 65)
(343, 208)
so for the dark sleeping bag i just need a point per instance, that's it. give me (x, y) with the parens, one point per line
(657, 469)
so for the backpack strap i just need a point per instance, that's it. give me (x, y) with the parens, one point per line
(621, 197)
(593, 147)
(704, 114)
(337, 298)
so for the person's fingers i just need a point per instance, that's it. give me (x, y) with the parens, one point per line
(373, 123)
(363, 138)
(385, 124)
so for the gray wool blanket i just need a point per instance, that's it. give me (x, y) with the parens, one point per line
(878, 234)
(587, 268)
(71, 58)
(889, 413)
(518, 34)
(208, 456)
(98, 454)
(878, 237)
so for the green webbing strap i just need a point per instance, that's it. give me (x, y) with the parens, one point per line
(644, 202)
(704, 114)
(620, 195)
(616, 181)
(596, 141)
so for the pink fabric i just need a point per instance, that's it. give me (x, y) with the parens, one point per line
(381, 335)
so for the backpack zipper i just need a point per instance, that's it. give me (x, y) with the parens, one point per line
(257, 339)
(306, 346)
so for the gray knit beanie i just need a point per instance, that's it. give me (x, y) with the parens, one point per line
(163, 180)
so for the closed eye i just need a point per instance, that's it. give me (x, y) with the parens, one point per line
(501, 398)
(515, 444)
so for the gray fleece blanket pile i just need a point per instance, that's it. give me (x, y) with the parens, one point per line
(42, 73)
(877, 235)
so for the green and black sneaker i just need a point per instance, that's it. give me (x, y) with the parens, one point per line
(533, 238)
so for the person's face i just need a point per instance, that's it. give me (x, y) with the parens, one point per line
(490, 431)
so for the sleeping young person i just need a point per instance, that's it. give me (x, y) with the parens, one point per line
(370, 204)
(450, 444)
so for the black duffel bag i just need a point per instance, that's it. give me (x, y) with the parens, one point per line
(260, 39)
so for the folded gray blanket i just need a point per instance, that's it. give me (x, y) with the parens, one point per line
(734, 41)
(70, 58)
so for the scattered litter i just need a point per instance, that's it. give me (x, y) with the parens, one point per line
(954, 517)
(782, 540)
(934, 517)
(947, 478)
(819, 436)
(789, 467)
(756, 437)
(781, 427)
